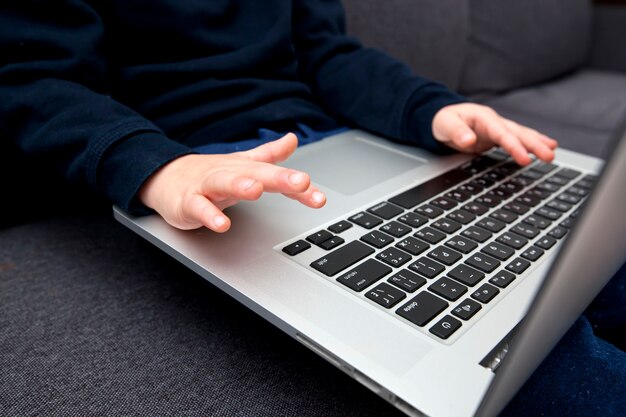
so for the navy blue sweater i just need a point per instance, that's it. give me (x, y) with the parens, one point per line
(108, 91)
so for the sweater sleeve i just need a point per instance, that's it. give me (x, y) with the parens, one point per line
(54, 101)
(364, 86)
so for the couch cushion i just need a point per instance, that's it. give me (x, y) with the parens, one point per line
(582, 111)
(429, 35)
(518, 43)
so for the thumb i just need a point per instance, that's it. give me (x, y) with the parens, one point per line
(450, 128)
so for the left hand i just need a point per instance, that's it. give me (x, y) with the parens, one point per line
(475, 128)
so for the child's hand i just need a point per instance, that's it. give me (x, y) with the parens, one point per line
(192, 191)
(475, 128)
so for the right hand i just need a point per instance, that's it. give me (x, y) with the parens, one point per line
(191, 191)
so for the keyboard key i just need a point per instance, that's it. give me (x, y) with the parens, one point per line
(532, 254)
(539, 193)
(546, 242)
(462, 216)
(458, 195)
(483, 262)
(429, 211)
(502, 279)
(500, 193)
(444, 203)
(471, 188)
(558, 232)
(395, 229)
(296, 247)
(332, 243)
(430, 235)
(548, 213)
(340, 259)
(537, 221)
(444, 255)
(531, 175)
(407, 280)
(482, 182)
(560, 181)
(340, 226)
(385, 210)
(446, 225)
(567, 223)
(516, 208)
(364, 275)
(467, 309)
(548, 187)
(513, 240)
(568, 173)
(569, 198)
(578, 191)
(485, 293)
(544, 167)
(429, 189)
(466, 275)
(477, 234)
(385, 295)
(461, 244)
(448, 289)
(413, 220)
(476, 208)
(377, 239)
(488, 200)
(498, 251)
(427, 267)
(319, 237)
(365, 220)
(525, 230)
(445, 327)
(422, 308)
(412, 245)
(528, 200)
(394, 257)
(511, 186)
(491, 224)
(518, 265)
(504, 215)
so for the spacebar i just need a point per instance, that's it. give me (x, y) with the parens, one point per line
(431, 188)
(342, 258)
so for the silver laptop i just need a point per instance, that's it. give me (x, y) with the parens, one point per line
(415, 277)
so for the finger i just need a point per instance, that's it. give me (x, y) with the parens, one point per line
(491, 127)
(450, 128)
(312, 197)
(535, 142)
(197, 211)
(275, 151)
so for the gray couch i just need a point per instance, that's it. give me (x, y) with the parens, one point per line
(94, 321)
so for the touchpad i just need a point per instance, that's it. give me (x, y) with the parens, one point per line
(350, 165)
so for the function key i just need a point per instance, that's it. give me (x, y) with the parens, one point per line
(467, 309)
(429, 211)
(296, 247)
(427, 267)
(385, 295)
(364, 275)
(319, 237)
(422, 308)
(407, 280)
(340, 226)
(448, 289)
(413, 219)
(430, 235)
(461, 244)
(568, 173)
(331, 243)
(485, 293)
(385, 210)
(412, 245)
(445, 327)
(365, 220)
(502, 279)
(518, 265)
(377, 239)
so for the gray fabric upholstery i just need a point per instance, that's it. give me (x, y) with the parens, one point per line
(429, 35)
(581, 110)
(518, 43)
(609, 38)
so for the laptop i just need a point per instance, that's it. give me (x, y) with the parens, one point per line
(438, 282)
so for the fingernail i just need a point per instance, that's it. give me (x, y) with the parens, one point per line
(296, 178)
(219, 220)
(467, 137)
(318, 197)
(248, 184)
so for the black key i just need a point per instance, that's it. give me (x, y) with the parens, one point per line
(472, 188)
(568, 173)
(412, 245)
(522, 181)
(537, 221)
(458, 195)
(504, 215)
(340, 226)
(429, 189)
(377, 239)
(394, 257)
(533, 253)
(510, 186)
(509, 168)
(445, 327)
(586, 184)
(488, 200)
(516, 207)
(396, 229)
(502, 279)
(518, 265)
(407, 280)
(544, 167)
(477, 234)
(498, 251)
(494, 176)
(385, 210)
(429, 211)
(430, 235)
(462, 216)
(485, 293)
(446, 225)
(483, 262)
(525, 230)
(466, 309)
(364, 275)
(466, 275)
(548, 213)
(385, 295)
(427, 267)
(341, 258)
(332, 243)
(546, 242)
(569, 198)
(560, 181)
(448, 289)
(478, 164)
(461, 244)
(296, 247)
(444, 203)
(319, 237)
(413, 219)
(491, 224)
(559, 205)
(445, 255)
(476, 208)
(539, 193)
(567, 223)
(528, 200)
(365, 220)
(548, 187)
(578, 191)
(422, 308)
(512, 240)
(482, 182)
(558, 232)
(531, 175)
(499, 192)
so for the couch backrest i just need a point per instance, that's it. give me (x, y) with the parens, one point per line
(478, 46)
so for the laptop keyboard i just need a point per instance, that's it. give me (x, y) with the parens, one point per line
(437, 253)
